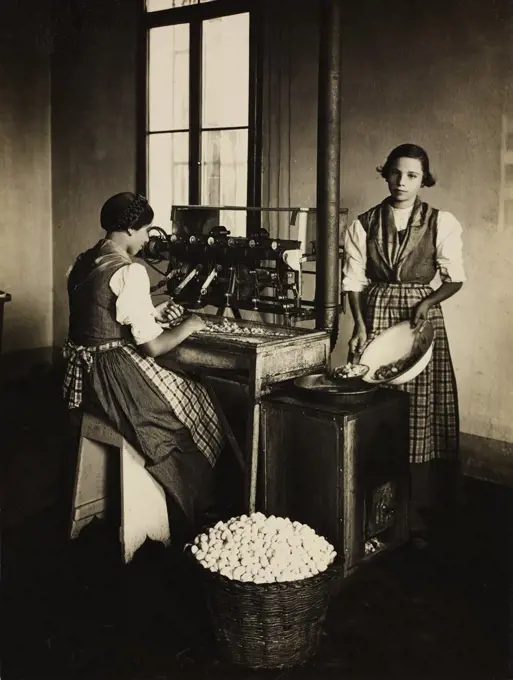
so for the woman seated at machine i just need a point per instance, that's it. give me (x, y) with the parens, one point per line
(115, 333)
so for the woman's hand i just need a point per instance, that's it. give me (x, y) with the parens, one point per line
(168, 312)
(171, 338)
(420, 313)
(358, 341)
(444, 292)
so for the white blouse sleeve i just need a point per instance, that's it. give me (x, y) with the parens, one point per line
(449, 249)
(355, 259)
(134, 308)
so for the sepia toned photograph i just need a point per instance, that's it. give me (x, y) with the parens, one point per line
(256, 378)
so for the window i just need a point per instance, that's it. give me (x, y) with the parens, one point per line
(201, 121)
(157, 5)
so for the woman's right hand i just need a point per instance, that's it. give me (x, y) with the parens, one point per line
(196, 323)
(171, 338)
(169, 312)
(358, 341)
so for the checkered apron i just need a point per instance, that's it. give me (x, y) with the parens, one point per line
(434, 419)
(187, 399)
(80, 359)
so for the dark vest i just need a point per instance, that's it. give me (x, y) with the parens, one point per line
(391, 259)
(92, 304)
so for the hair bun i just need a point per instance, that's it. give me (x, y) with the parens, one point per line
(132, 213)
(122, 211)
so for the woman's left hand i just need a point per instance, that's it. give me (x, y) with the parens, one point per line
(168, 312)
(420, 313)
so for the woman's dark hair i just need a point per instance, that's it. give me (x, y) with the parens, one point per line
(409, 151)
(126, 211)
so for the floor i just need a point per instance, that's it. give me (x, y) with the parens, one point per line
(71, 610)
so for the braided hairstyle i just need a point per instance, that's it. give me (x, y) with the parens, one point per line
(126, 211)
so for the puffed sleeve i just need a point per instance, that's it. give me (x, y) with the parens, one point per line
(134, 308)
(355, 259)
(449, 249)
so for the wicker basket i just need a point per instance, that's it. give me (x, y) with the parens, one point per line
(271, 625)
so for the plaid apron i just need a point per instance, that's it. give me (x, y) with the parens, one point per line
(434, 418)
(80, 359)
(187, 399)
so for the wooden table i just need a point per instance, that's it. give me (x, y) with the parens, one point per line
(259, 362)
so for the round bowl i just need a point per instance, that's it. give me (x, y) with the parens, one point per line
(395, 344)
(324, 389)
(350, 382)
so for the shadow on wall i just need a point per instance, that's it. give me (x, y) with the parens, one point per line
(16, 365)
(36, 444)
(19, 329)
(22, 332)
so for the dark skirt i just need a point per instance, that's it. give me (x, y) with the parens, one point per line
(131, 399)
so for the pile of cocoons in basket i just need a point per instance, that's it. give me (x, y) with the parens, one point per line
(263, 549)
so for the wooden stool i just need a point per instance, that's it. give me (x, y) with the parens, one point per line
(143, 502)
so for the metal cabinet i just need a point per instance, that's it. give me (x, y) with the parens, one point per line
(341, 469)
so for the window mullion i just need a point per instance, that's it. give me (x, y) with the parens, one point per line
(195, 80)
(142, 105)
(254, 195)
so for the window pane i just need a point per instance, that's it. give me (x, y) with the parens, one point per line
(169, 78)
(224, 174)
(168, 174)
(156, 5)
(226, 71)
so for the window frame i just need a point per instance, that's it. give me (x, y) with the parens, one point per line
(195, 15)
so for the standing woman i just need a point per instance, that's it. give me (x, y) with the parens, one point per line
(392, 254)
(114, 334)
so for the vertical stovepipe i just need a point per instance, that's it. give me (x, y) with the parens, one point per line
(327, 279)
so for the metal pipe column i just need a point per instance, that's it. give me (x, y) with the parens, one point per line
(327, 277)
